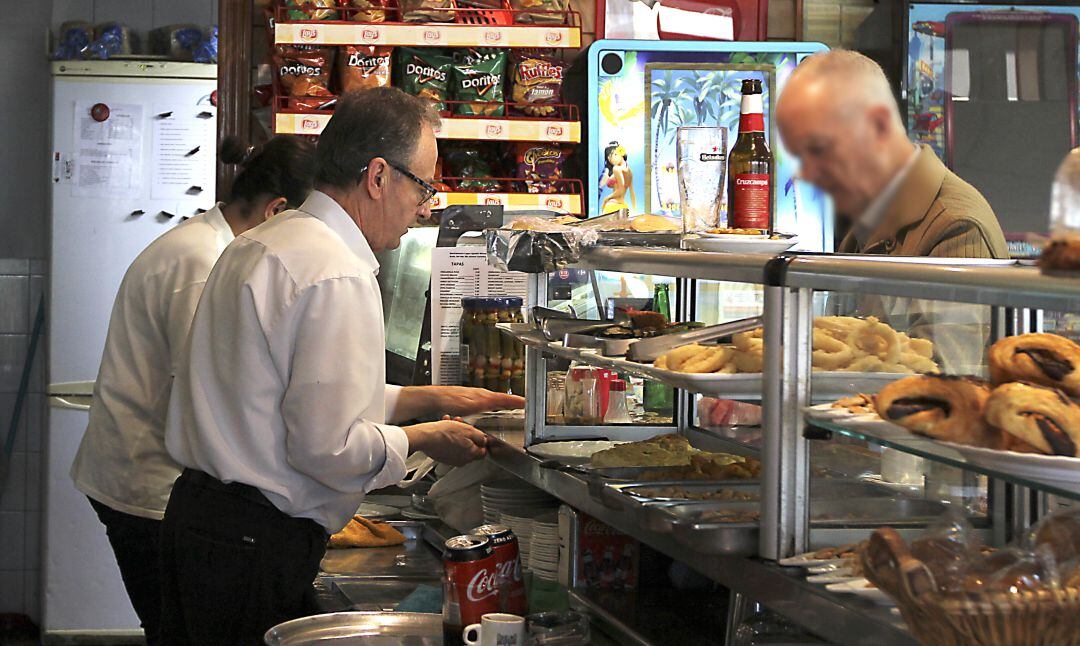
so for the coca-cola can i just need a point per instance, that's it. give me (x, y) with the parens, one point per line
(470, 584)
(508, 567)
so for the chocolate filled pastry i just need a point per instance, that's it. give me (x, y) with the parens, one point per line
(1046, 359)
(1062, 254)
(1039, 416)
(943, 407)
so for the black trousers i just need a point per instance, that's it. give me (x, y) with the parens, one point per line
(136, 542)
(233, 565)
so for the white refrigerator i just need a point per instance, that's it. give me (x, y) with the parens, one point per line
(133, 146)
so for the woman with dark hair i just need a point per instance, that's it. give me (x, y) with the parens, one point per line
(122, 465)
(618, 177)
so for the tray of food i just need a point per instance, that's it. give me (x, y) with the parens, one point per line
(850, 355)
(740, 241)
(730, 529)
(637, 494)
(618, 229)
(1024, 422)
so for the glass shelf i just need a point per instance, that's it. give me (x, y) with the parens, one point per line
(929, 449)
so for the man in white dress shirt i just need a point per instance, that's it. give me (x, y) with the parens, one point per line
(122, 465)
(281, 412)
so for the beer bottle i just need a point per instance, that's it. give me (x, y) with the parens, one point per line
(657, 397)
(750, 166)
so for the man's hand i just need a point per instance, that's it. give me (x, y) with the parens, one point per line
(460, 400)
(448, 441)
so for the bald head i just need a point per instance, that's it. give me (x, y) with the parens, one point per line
(837, 114)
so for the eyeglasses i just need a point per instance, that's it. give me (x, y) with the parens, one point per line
(429, 190)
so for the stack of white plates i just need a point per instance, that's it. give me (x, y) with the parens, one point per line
(523, 529)
(544, 546)
(514, 497)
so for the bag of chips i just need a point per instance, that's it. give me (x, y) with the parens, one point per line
(540, 166)
(424, 73)
(362, 67)
(478, 78)
(311, 9)
(426, 10)
(547, 12)
(474, 162)
(303, 72)
(536, 85)
(370, 10)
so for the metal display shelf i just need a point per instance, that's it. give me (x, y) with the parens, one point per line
(737, 268)
(298, 122)
(927, 448)
(841, 619)
(432, 34)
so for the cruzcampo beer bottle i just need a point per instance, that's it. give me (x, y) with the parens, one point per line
(750, 166)
(657, 397)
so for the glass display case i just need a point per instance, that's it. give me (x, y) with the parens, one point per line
(831, 473)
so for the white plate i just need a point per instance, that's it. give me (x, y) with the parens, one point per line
(377, 512)
(414, 514)
(729, 243)
(1058, 470)
(807, 560)
(858, 587)
(830, 565)
(571, 451)
(826, 412)
(825, 385)
(840, 576)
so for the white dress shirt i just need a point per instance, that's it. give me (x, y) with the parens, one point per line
(122, 461)
(284, 385)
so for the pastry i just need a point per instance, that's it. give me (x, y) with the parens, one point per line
(1062, 254)
(857, 404)
(1039, 416)
(1046, 359)
(652, 224)
(943, 407)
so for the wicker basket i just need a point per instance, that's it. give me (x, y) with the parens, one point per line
(1031, 618)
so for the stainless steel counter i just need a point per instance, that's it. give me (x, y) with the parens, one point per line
(783, 590)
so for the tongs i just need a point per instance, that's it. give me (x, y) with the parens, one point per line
(649, 350)
(556, 324)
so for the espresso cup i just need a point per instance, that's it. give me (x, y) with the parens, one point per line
(496, 629)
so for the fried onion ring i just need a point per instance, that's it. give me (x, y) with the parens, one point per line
(876, 339)
(709, 361)
(830, 353)
(917, 362)
(922, 347)
(747, 341)
(674, 359)
(749, 361)
(838, 327)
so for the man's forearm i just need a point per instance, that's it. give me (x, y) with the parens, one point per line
(413, 403)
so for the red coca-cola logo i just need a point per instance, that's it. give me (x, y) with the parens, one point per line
(508, 570)
(597, 528)
(484, 584)
(309, 33)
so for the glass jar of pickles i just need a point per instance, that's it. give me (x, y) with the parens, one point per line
(491, 358)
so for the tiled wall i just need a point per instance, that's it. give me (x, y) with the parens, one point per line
(140, 15)
(22, 284)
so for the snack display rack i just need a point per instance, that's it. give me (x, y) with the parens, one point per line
(500, 26)
(1014, 295)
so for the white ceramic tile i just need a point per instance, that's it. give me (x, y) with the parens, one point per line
(66, 10)
(12, 590)
(12, 541)
(32, 426)
(12, 356)
(14, 266)
(136, 14)
(14, 301)
(32, 545)
(34, 482)
(13, 486)
(32, 595)
(171, 12)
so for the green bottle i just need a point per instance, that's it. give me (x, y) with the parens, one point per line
(660, 398)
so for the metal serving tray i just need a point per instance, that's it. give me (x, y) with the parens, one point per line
(732, 539)
(598, 477)
(627, 495)
(374, 628)
(874, 512)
